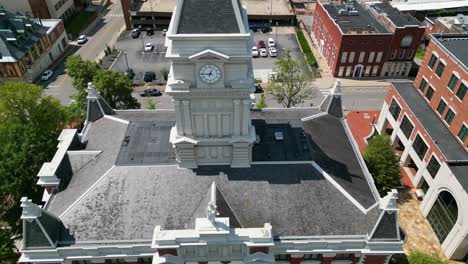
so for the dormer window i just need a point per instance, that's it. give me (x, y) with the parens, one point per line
(406, 41)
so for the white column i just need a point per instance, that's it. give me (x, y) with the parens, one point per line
(187, 118)
(179, 119)
(245, 117)
(236, 127)
(205, 125)
(218, 125)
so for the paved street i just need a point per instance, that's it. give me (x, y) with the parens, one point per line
(105, 29)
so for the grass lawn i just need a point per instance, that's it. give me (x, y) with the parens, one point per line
(306, 49)
(75, 23)
(420, 54)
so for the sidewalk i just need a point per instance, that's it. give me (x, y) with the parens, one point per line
(361, 125)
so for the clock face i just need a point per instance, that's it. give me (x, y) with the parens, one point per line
(210, 73)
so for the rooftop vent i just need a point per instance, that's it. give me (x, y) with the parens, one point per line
(279, 135)
(354, 12)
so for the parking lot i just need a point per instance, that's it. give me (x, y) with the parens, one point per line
(141, 61)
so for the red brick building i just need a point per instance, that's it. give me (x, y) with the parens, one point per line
(428, 123)
(354, 39)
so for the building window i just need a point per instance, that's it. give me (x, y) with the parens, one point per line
(432, 61)
(361, 56)
(81, 262)
(146, 260)
(348, 71)
(420, 147)
(463, 133)
(371, 57)
(282, 257)
(312, 256)
(441, 106)
(433, 167)
(344, 256)
(422, 85)
(394, 54)
(343, 57)
(190, 251)
(394, 109)
(406, 127)
(406, 41)
(461, 91)
(430, 93)
(402, 54)
(236, 250)
(424, 186)
(453, 82)
(410, 54)
(440, 69)
(379, 56)
(449, 116)
(213, 252)
(340, 71)
(351, 56)
(375, 70)
(367, 71)
(116, 261)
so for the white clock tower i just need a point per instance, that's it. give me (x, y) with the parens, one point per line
(210, 80)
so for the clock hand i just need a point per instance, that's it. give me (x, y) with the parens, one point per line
(210, 72)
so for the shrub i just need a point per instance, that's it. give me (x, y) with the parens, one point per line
(418, 257)
(306, 49)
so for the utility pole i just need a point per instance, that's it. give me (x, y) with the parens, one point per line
(142, 42)
(276, 34)
(126, 60)
(153, 22)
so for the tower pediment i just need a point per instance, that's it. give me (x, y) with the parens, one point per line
(209, 54)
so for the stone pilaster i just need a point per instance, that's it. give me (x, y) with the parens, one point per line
(179, 124)
(187, 118)
(245, 117)
(237, 123)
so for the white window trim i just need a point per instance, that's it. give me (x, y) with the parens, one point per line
(456, 136)
(427, 85)
(446, 106)
(344, 56)
(402, 54)
(455, 88)
(425, 142)
(379, 58)
(427, 164)
(410, 54)
(455, 92)
(371, 57)
(424, 95)
(454, 113)
(401, 109)
(399, 125)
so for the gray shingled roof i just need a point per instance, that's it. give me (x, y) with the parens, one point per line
(457, 45)
(18, 34)
(435, 128)
(398, 18)
(128, 201)
(208, 16)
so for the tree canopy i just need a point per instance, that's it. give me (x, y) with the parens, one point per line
(289, 86)
(114, 87)
(29, 127)
(383, 164)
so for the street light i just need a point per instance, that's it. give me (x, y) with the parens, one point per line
(276, 33)
(142, 42)
(126, 60)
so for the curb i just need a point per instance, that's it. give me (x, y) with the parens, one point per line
(118, 56)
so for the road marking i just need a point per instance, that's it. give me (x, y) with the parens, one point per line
(115, 15)
(325, 92)
(52, 86)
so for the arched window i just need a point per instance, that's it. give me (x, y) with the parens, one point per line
(406, 41)
(443, 215)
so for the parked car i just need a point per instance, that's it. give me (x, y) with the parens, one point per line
(271, 42)
(135, 33)
(255, 51)
(149, 76)
(47, 75)
(272, 51)
(263, 52)
(258, 88)
(261, 44)
(149, 31)
(82, 39)
(150, 92)
(149, 47)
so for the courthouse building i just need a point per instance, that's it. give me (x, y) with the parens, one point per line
(211, 181)
(428, 123)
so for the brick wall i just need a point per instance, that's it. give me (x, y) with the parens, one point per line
(440, 85)
(371, 259)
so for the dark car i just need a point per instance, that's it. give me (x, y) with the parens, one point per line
(149, 76)
(135, 33)
(150, 92)
(258, 88)
(261, 44)
(149, 31)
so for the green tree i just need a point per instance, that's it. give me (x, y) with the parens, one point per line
(82, 72)
(116, 89)
(261, 102)
(7, 247)
(289, 86)
(29, 127)
(383, 164)
(419, 257)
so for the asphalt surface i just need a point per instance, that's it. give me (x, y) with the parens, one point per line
(105, 29)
